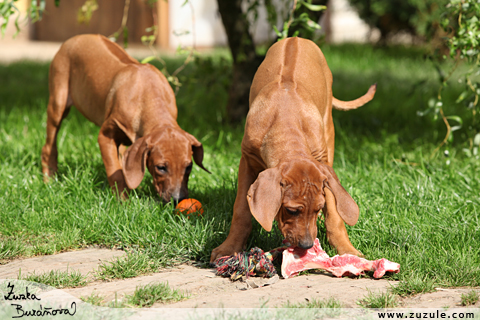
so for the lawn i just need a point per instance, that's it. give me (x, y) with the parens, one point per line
(416, 209)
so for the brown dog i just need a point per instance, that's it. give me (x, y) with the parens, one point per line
(287, 153)
(133, 104)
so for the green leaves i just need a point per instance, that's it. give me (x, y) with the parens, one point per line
(7, 10)
(460, 22)
(305, 21)
(85, 12)
(282, 34)
(150, 39)
(302, 21)
(310, 6)
(148, 59)
(465, 24)
(36, 10)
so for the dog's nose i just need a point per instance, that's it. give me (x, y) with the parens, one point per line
(305, 244)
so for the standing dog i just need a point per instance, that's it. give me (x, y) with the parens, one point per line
(133, 104)
(286, 170)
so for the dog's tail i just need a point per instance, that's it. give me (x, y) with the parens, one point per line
(354, 104)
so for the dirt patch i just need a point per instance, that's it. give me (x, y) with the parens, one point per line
(209, 291)
(84, 261)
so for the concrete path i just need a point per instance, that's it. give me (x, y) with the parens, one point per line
(206, 290)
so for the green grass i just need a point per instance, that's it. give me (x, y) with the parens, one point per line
(57, 279)
(94, 299)
(414, 285)
(146, 296)
(132, 265)
(10, 248)
(417, 210)
(379, 301)
(470, 298)
(142, 297)
(330, 303)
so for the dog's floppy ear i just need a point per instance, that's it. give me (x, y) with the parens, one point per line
(197, 149)
(346, 206)
(134, 162)
(265, 197)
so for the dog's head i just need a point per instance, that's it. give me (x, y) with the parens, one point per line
(293, 194)
(167, 154)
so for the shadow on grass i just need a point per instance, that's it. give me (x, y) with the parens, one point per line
(393, 110)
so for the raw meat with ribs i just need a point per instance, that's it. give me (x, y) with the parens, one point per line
(296, 260)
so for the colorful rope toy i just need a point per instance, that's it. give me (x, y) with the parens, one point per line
(248, 264)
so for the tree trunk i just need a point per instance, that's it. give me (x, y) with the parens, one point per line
(245, 59)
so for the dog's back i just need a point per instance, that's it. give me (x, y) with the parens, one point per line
(295, 62)
(84, 69)
(290, 97)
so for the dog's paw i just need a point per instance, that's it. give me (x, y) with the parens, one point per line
(48, 175)
(351, 251)
(222, 251)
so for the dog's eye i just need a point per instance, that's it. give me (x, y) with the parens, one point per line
(293, 212)
(161, 169)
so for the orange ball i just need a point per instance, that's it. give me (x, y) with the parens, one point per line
(188, 206)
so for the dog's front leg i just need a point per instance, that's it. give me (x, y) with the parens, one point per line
(242, 217)
(336, 232)
(110, 156)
